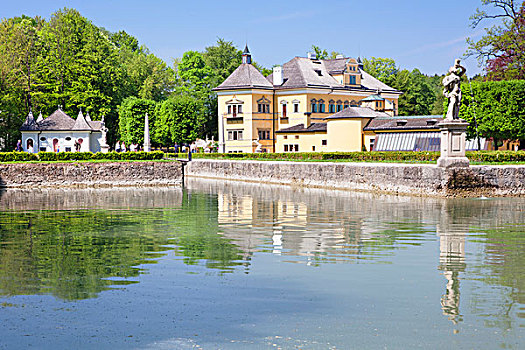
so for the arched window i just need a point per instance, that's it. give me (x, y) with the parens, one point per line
(314, 105)
(331, 106)
(339, 106)
(29, 144)
(346, 104)
(321, 106)
(354, 103)
(55, 145)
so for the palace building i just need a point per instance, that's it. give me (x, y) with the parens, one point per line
(305, 105)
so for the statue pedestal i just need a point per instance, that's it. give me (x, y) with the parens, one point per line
(104, 148)
(453, 141)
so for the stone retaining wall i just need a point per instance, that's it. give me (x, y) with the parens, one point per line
(85, 174)
(412, 179)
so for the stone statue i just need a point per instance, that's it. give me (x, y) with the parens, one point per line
(258, 149)
(104, 147)
(452, 90)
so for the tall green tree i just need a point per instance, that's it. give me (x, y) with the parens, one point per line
(19, 47)
(223, 58)
(78, 68)
(178, 119)
(132, 112)
(497, 108)
(383, 69)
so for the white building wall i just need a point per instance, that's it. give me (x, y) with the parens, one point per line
(43, 141)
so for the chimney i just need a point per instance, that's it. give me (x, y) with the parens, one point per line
(308, 119)
(312, 55)
(277, 75)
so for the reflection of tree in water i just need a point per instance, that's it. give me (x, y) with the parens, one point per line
(502, 267)
(76, 254)
(70, 254)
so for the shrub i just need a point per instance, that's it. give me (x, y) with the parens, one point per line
(17, 157)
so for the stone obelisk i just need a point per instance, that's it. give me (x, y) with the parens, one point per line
(147, 145)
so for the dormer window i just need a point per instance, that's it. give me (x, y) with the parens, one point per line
(319, 73)
(431, 121)
(401, 122)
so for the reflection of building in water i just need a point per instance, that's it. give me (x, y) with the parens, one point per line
(451, 262)
(255, 223)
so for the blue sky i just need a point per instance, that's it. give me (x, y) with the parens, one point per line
(417, 34)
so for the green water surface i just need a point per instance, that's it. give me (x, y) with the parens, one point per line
(244, 266)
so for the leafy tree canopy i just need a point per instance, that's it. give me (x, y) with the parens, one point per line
(322, 54)
(502, 49)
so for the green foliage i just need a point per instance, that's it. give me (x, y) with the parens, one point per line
(420, 92)
(132, 113)
(69, 61)
(418, 97)
(496, 156)
(383, 69)
(17, 157)
(222, 58)
(497, 107)
(178, 120)
(195, 76)
(348, 156)
(75, 156)
(502, 49)
(322, 54)
(406, 157)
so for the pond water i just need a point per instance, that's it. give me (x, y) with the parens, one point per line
(242, 266)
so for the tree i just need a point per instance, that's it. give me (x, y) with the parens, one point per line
(19, 47)
(496, 107)
(223, 58)
(131, 113)
(178, 119)
(322, 54)
(419, 91)
(502, 49)
(418, 97)
(383, 69)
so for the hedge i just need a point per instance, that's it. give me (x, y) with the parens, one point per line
(477, 156)
(474, 156)
(17, 157)
(64, 156)
(349, 156)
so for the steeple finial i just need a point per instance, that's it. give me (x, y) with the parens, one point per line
(246, 55)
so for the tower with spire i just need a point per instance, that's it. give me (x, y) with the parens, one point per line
(246, 55)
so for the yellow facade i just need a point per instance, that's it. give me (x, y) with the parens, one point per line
(301, 142)
(346, 135)
(256, 128)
